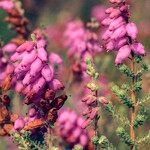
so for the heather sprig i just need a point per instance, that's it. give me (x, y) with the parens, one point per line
(121, 36)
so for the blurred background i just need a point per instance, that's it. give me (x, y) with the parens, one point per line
(53, 13)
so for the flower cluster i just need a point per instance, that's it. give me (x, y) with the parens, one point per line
(33, 72)
(82, 43)
(121, 34)
(34, 77)
(69, 128)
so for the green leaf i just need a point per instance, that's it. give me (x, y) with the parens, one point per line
(124, 137)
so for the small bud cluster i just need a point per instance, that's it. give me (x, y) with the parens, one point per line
(92, 100)
(121, 34)
(69, 128)
(37, 117)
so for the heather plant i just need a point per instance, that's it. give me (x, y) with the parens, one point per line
(121, 36)
(81, 108)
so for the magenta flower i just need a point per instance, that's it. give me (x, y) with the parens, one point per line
(55, 59)
(69, 128)
(82, 44)
(33, 72)
(121, 34)
(138, 48)
(6, 5)
(132, 30)
(98, 12)
(19, 124)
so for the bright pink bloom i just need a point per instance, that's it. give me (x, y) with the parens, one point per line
(19, 124)
(138, 48)
(55, 59)
(98, 12)
(10, 47)
(132, 30)
(120, 34)
(6, 5)
(32, 69)
(123, 53)
(69, 128)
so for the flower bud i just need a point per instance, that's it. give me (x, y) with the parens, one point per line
(118, 33)
(123, 54)
(42, 54)
(47, 72)
(86, 123)
(55, 58)
(35, 67)
(6, 5)
(94, 113)
(39, 85)
(103, 100)
(132, 30)
(19, 124)
(10, 47)
(138, 48)
(27, 46)
(32, 112)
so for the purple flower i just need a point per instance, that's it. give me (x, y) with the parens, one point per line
(19, 124)
(33, 72)
(121, 34)
(132, 30)
(81, 43)
(69, 128)
(6, 5)
(138, 48)
(55, 59)
(123, 54)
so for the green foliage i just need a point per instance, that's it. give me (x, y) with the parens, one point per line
(138, 86)
(122, 96)
(145, 139)
(138, 59)
(78, 147)
(24, 141)
(144, 67)
(125, 70)
(125, 87)
(123, 135)
(143, 101)
(140, 119)
(117, 116)
(103, 142)
(95, 140)
(91, 69)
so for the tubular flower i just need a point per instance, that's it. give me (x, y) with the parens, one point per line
(69, 128)
(121, 34)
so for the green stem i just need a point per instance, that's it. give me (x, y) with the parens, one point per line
(96, 122)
